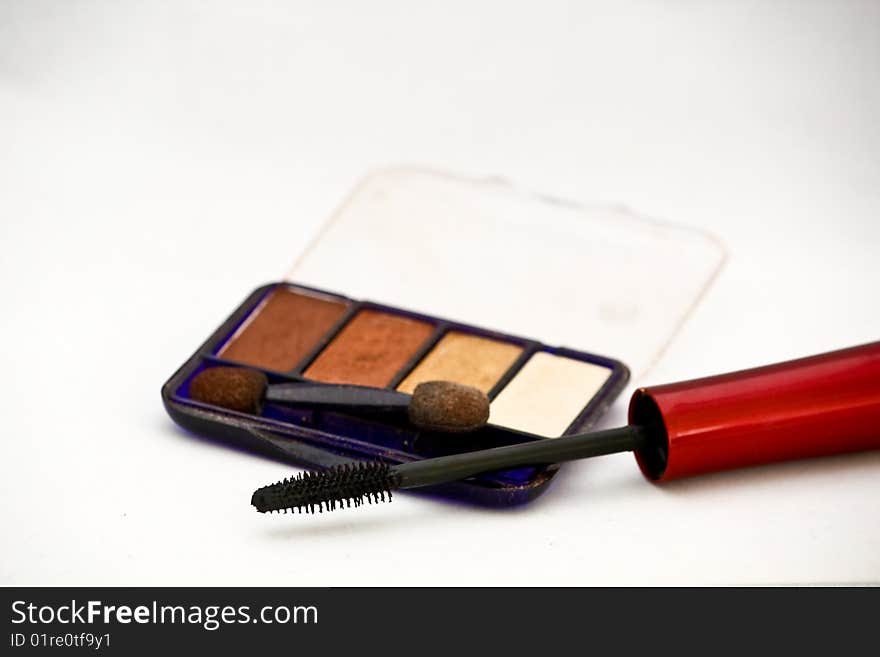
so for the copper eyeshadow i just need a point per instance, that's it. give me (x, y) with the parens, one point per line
(370, 350)
(285, 328)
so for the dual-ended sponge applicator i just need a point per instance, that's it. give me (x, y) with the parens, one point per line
(434, 405)
(825, 404)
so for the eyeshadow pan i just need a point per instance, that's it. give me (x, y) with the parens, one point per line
(283, 329)
(370, 350)
(547, 394)
(469, 359)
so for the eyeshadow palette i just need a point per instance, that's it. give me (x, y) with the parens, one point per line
(430, 246)
(295, 333)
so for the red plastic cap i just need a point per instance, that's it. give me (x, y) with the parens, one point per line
(824, 404)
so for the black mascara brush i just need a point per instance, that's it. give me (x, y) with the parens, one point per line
(825, 404)
(353, 484)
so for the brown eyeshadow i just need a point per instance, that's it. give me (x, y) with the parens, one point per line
(284, 329)
(370, 350)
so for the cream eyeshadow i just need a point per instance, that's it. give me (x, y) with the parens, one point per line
(547, 394)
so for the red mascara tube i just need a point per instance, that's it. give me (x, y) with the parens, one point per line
(825, 404)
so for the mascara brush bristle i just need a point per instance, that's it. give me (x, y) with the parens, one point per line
(342, 485)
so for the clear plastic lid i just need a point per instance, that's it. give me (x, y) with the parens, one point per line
(599, 279)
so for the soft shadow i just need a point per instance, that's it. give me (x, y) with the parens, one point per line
(424, 513)
(840, 465)
(273, 455)
(346, 521)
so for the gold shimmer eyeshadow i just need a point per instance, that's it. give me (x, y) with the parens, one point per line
(463, 358)
(547, 394)
(370, 350)
(283, 329)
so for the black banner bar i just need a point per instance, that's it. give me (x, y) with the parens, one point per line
(133, 621)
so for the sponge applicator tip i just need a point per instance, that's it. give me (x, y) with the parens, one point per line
(447, 406)
(235, 388)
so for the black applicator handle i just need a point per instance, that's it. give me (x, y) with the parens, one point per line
(338, 396)
(434, 405)
(551, 450)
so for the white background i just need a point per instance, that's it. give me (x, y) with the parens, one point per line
(160, 160)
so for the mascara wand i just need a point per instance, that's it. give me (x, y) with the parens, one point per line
(825, 404)
(359, 482)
